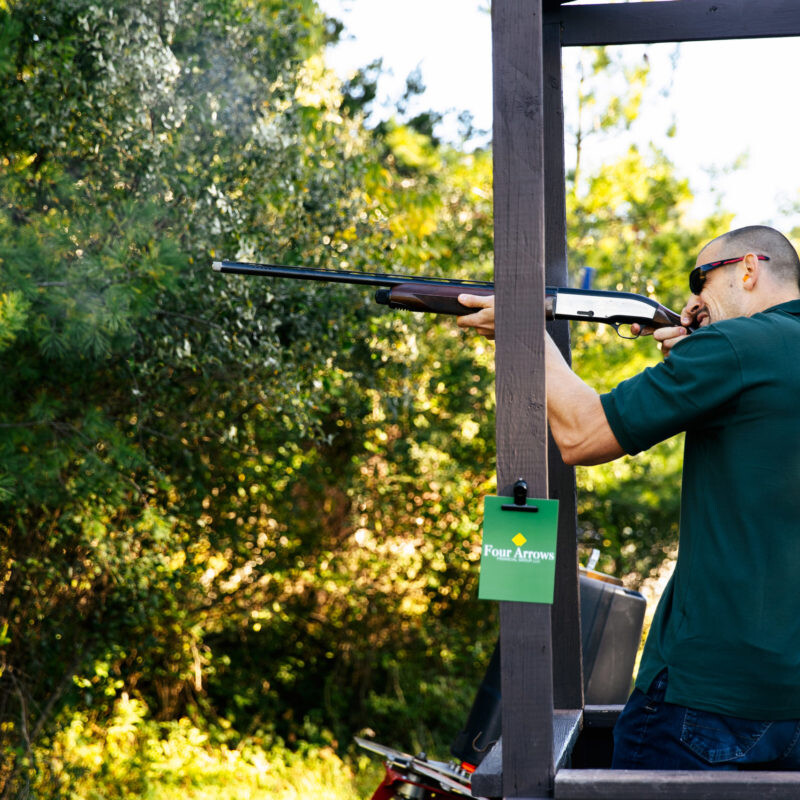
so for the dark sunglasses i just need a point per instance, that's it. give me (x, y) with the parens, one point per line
(697, 277)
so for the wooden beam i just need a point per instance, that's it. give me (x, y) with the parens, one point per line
(566, 615)
(602, 784)
(525, 633)
(675, 21)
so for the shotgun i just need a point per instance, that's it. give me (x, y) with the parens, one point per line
(440, 295)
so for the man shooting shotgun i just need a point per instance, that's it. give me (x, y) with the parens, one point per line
(441, 296)
(719, 681)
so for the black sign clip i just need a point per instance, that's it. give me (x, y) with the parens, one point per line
(520, 498)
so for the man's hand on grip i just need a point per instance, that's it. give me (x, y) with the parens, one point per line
(483, 319)
(668, 337)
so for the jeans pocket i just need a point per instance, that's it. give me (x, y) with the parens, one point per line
(717, 738)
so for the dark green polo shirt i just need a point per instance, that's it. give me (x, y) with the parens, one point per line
(727, 627)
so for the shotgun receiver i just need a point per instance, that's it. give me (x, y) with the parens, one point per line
(440, 295)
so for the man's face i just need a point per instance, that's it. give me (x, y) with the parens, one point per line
(721, 296)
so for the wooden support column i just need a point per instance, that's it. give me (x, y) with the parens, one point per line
(566, 617)
(525, 631)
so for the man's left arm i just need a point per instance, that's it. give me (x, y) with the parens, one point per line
(574, 411)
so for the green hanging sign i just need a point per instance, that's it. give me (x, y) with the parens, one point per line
(518, 554)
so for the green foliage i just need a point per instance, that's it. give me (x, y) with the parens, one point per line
(205, 481)
(134, 756)
(610, 93)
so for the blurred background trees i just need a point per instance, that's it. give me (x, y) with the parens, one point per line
(245, 501)
(240, 516)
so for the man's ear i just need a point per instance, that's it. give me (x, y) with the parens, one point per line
(751, 270)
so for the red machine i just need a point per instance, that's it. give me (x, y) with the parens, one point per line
(416, 778)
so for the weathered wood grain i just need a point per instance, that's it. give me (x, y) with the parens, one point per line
(525, 628)
(487, 780)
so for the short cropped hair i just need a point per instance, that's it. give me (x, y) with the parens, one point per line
(783, 262)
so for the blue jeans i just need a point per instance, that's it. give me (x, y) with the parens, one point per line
(653, 734)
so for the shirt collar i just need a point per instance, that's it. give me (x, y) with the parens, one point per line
(790, 307)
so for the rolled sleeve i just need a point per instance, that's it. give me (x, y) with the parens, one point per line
(617, 424)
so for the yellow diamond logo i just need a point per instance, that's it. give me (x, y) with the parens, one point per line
(519, 540)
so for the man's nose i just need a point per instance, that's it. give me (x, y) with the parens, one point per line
(692, 307)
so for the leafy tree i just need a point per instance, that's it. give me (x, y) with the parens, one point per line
(197, 471)
(136, 143)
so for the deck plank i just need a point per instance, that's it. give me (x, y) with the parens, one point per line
(605, 784)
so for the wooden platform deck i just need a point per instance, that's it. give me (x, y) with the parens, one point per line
(585, 738)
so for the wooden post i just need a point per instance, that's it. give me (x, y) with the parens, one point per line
(525, 633)
(566, 617)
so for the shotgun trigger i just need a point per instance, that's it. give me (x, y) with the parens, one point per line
(624, 331)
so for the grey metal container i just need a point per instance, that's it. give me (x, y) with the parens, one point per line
(611, 629)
